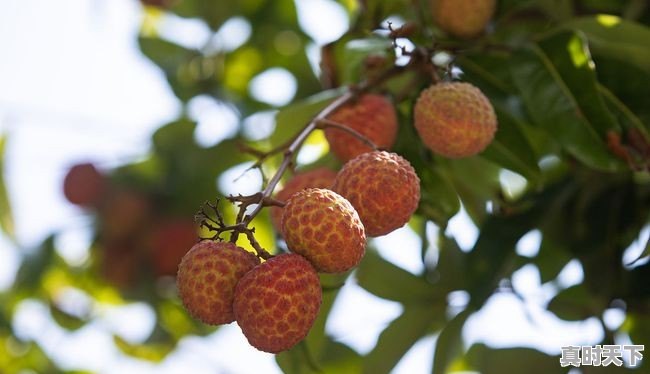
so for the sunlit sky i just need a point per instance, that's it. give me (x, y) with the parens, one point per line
(74, 86)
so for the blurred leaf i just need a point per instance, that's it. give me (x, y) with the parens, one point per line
(65, 319)
(551, 259)
(451, 262)
(395, 283)
(415, 322)
(553, 107)
(576, 304)
(449, 343)
(6, 219)
(511, 149)
(464, 174)
(35, 265)
(214, 13)
(149, 352)
(488, 360)
(617, 38)
(493, 256)
(182, 67)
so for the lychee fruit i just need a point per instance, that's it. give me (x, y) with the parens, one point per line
(384, 189)
(207, 277)
(277, 302)
(455, 120)
(372, 116)
(318, 178)
(170, 240)
(462, 18)
(324, 227)
(84, 185)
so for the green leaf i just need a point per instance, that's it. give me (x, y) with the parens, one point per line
(151, 352)
(569, 53)
(35, 265)
(449, 344)
(614, 37)
(552, 106)
(551, 259)
(415, 322)
(511, 148)
(394, 283)
(65, 319)
(6, 219)
(488, 360)
(576, 304)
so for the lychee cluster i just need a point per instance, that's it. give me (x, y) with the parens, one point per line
(136, 235)
(325, 217)
(276, 302)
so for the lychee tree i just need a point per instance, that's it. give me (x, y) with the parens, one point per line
(531, 117)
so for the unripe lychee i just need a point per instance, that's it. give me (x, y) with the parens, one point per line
(462, 18)
(382, 187)
(169, 241)
(373, 116)
(207, 277)
(324, 227)
(277, 302)
(317, 178)
(84, 185)
(455, 119)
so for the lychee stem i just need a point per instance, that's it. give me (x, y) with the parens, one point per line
(325, 123)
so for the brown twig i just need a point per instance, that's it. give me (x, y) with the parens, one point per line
(325, 123)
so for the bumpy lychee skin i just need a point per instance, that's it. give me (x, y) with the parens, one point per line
(207, 277)
(317, 178)
(324, 227)
(384, 189)
(372, 116)
(277, 302)
(455, 120)
(463, 18)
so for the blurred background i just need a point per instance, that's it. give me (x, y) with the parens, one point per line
(118, 119)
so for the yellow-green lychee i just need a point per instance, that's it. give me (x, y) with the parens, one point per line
(372, 116)
(455, 120)
(462, 18)
(277, 302)
(384, 189)
(321, 177)
(207, 276)
(324, 227)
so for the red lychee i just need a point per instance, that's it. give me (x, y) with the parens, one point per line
(384, 189)
(318, 178)
(84, 185)
(455, 119)
(277, 302)
(207, 277)
(170, 240)
(373, 116)
(324, 227)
